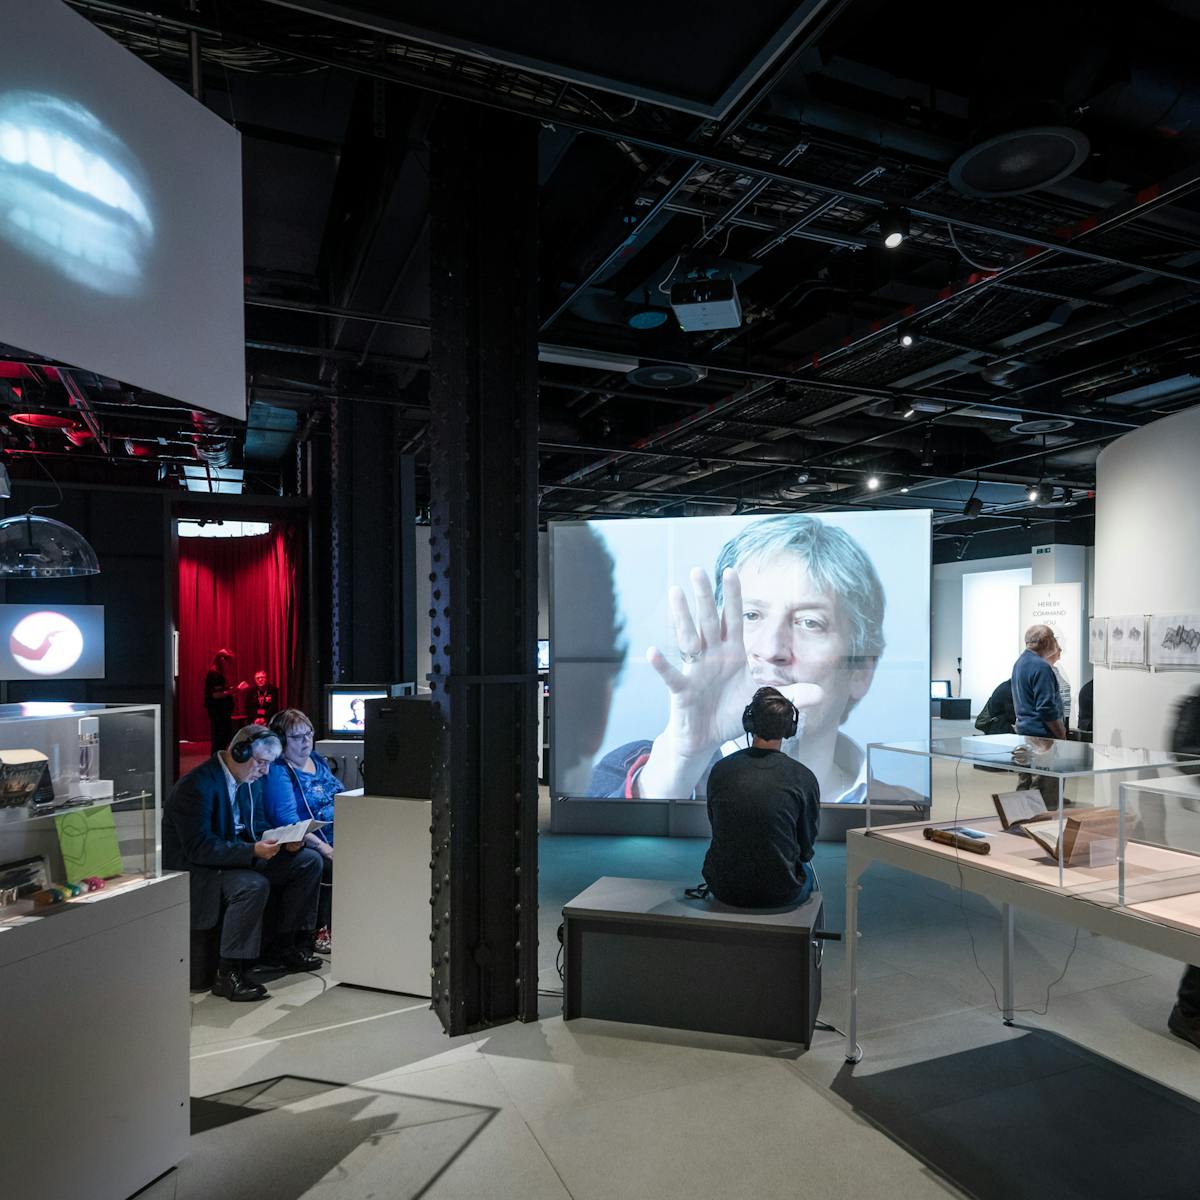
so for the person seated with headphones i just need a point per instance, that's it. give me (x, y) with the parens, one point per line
(212, 827)
(764, 808)
(301, 784)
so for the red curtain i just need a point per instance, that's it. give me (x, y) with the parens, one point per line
(239, 594)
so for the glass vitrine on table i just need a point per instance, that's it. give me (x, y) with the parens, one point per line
(1064, 875)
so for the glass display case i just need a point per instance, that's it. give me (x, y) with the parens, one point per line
(1159, 876)
(999, 821)
(79, 804)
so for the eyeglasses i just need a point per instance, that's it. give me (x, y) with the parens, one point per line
(302, 736)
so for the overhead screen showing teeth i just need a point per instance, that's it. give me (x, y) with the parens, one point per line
(120, 214)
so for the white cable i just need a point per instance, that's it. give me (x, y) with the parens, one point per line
(962, 907)
(967, 258)
(669, 274)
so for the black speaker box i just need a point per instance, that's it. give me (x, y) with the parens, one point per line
(398, 745)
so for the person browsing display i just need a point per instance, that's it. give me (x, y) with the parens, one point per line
(301, 785)
(797, 606)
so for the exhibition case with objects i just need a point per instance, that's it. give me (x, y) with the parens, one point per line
(1041, 834)
(89, 925)
(1074, 849)
(79, 802)
(1159, 876)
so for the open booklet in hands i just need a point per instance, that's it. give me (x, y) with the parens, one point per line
(293, 833)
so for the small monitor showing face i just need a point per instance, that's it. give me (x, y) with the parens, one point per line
(346, 712)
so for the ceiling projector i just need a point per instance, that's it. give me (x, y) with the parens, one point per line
(707, 303)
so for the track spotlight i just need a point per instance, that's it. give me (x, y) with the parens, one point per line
(1035, 490)
(893, 227)
(872, 483)
(904, 490)
(904, 339)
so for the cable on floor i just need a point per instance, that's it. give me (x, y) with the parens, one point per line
(962, 907)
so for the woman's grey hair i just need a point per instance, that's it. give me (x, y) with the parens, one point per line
(260, 735)
(836, 563)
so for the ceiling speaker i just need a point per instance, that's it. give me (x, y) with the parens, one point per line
(666, 375)
(1019, 161)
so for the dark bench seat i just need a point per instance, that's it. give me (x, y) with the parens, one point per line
(639, 950)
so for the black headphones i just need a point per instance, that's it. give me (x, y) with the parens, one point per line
(751, 711)
(244, 751)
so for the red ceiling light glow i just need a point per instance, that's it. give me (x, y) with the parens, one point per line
(44, 420)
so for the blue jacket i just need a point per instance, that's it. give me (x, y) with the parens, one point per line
(285, 801)
(1035, 694)
(198, 835)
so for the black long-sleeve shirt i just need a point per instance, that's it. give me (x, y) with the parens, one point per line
(764, 808)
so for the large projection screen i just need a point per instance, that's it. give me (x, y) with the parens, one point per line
(120, 214)
(834, 612)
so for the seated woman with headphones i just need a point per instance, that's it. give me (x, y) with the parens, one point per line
(764, 808)
(301, 785)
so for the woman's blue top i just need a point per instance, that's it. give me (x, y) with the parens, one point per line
(290, 795)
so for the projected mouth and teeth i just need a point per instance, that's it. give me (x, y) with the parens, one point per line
(71, 193)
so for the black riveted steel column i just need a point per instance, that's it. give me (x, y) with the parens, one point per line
(483, 568)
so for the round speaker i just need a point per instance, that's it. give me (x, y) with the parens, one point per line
(812, 487)
(1019, 161)
(665, 375)
(1041, 425)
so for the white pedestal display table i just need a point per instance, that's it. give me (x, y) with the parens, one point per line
(1017, 872)
(381, 913)
(94, 1042)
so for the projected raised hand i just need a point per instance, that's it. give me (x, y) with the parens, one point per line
(71, 193)
(725, 657)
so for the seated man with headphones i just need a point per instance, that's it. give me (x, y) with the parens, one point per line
(212, 827)
(764, 808)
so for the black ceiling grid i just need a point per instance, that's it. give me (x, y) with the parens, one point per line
(1070, 298)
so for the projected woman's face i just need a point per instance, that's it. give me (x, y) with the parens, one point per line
(796, 632)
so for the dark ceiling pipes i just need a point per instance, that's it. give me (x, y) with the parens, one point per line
(1152, 95)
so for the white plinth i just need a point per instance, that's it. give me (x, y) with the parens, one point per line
(94, 1044)
(381, 913)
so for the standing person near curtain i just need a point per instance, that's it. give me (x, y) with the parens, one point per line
(301, 785)
(219, 694)
(264, 700)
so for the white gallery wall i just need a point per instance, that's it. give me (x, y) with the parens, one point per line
(947, 616)
(991, 629)
(1147, 539)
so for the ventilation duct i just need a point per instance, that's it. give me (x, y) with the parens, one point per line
(211, 450)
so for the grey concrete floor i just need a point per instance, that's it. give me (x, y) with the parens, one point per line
(328, 1091)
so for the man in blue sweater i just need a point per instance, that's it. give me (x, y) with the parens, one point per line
(1036, 701)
